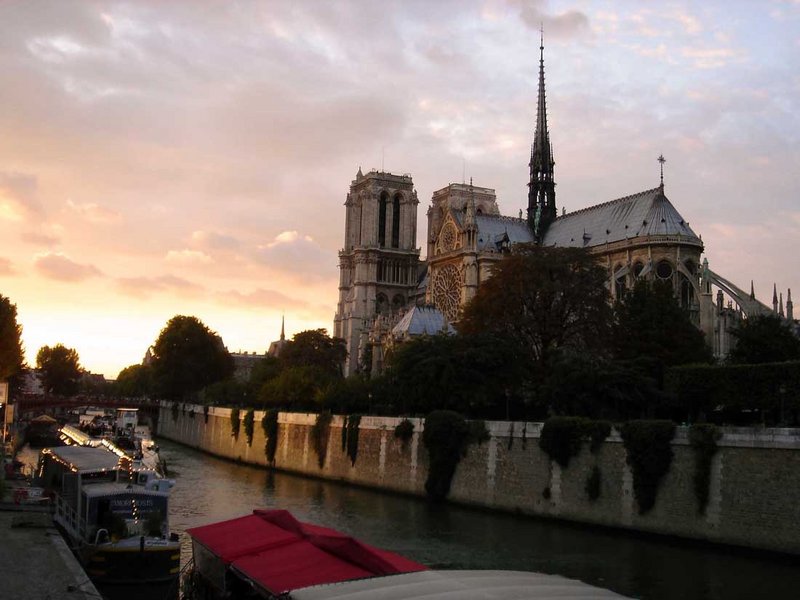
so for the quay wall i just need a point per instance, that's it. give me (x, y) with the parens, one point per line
(754, 491)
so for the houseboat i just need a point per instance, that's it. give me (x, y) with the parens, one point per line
(114, 514)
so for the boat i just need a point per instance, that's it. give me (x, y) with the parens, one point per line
(114, 514)
(270, 555)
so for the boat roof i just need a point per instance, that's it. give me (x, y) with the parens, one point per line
(464, 585)
(278, 553)
(84, 458)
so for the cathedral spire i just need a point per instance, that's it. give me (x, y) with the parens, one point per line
(775, 298)
(789, 306)
(283, 318)
(752, 291)
(541, 187)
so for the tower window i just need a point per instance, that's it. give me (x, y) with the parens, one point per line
(396, 222)
(664, 270)
(382, 219)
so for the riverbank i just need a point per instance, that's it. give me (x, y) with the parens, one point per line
(753, 486)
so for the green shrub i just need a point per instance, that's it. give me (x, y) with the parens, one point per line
(320, 433)
(404, 431)
(269, 423)
(703, 437)
(561, 438)
(235, 422)
(597, 432)
(249, 420)
(649, 454)
(593, 483)
(446, 437)
(478, 433)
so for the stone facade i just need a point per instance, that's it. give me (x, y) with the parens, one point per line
(378, 265)
(755, 478)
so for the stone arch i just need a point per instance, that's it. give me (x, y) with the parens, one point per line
(382, 202)
(382, 305)
(396, 201)
(398, 303)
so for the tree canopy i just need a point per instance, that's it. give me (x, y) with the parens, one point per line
(315, 348)
(650, 323)
(12, 356)
(188, 356)
(60, 368)
(135, 381)
(540, 299)
(764, 339)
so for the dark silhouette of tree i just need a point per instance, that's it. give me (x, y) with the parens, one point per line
(12, 356)
(60, 368)
(650, 323)
(764, 339)
(188, 356)
(474, 374)
(315, 348)
(134, 381)
(542, 299)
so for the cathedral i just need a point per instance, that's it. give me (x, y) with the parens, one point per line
(388, 295)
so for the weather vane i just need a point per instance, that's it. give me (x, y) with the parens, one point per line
(662, 160)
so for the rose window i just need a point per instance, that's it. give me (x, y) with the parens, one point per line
(447, 291)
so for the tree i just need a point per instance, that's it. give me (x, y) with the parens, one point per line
(12, 356)
(61, 369)
(315, 348)
(542, 299)
(473, 374)
(649, 322)
(296, 388)
(764, 339)
(188, 356)
(135, 381)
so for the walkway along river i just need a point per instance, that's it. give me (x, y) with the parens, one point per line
(209, 489)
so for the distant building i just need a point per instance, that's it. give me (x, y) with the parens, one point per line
(276, 347)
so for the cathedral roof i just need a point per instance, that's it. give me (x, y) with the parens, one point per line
(422, 320)
(647, 213)
(493, 229)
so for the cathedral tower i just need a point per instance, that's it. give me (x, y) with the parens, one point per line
(378, 264)
(542, 187)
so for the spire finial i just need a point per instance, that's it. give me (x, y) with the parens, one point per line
(752, 291)
(662, 160)
(283, 335)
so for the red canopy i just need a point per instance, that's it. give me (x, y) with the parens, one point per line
(281, 554)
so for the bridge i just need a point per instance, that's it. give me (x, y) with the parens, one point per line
(30, 405)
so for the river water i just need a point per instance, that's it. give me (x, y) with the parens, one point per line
(210, 489)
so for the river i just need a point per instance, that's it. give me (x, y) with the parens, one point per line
(209, 489)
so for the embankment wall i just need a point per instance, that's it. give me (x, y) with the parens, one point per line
(754, 492)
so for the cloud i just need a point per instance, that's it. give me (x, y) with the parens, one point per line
(18, 195)
(298, 256)
(61, 268)
(214, 240)
(93, 212)
(141, 287)
(188, 257)
(6, 268)
(710, 58)
(39, 238)
(261, 298)
(565, 24)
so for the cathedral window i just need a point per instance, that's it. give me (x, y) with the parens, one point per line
(396, 222)
(637, 269)
(382, 219)
(381, 305)
(664, 270)
(446, 283)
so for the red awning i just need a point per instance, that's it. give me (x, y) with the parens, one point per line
(278, 552)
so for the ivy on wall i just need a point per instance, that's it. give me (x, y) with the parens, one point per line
(404, 431)
(235, 423)
(446, 436)
(703, 438)
(320, 433)
(249, 420)
(561, 438)
(649, 454)
(594, 482)
(175, 412)
(205, 414)
(353, 423)
(269, 423)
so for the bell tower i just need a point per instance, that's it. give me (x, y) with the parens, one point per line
(379, 262)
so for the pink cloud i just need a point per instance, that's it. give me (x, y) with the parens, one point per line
(61, 268)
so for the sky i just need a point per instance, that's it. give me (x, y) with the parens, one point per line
(193, 157)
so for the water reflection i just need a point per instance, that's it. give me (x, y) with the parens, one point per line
(210, 489)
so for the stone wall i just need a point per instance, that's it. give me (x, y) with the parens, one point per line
(754, 490)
